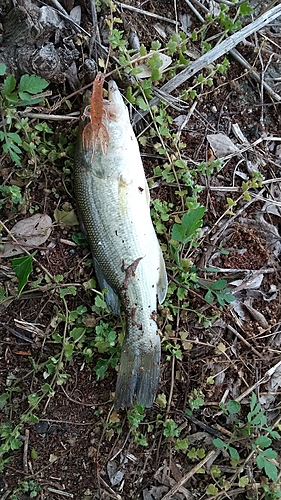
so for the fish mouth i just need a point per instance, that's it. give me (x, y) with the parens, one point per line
(115, 106)
(114, 94)
(112, 90)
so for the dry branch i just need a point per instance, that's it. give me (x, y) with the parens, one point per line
(145, 12)
(188, 475)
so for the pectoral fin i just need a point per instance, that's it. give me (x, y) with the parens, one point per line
(111, 297)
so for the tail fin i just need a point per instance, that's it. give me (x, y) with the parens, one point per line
(138, 375)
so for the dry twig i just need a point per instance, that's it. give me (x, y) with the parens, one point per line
(188, 475)
(25, 450)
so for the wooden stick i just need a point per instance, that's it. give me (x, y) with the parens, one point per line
(145, 12)
(25, 450)
(188, 475)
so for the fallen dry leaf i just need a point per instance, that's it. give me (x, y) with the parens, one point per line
(66, 217)
(221, 145)
(30, 233)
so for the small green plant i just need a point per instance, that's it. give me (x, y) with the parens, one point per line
(256, 424)
(106, 342)
(11, 196)
(29, 487)
(171, 429)
(12, 96)
(76, 335)
(220, 291)
(254, 182)
(272, 492)
(10, 437)
(135, 416)
(160, 212)
(187, 232)
(196, 400)
(80, 338)
(173, 349)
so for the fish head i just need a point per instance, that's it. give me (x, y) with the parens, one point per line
(116, 109)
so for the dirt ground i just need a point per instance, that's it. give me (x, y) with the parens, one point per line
(80, 448)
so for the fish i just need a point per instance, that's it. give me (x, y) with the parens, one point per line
(113, 203)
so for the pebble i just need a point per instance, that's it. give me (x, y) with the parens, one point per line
(41, 427)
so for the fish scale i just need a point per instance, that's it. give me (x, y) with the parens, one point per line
(113, 203)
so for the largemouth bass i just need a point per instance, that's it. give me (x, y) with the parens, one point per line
(113, 202)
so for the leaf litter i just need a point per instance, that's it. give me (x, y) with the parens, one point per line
(29, 233)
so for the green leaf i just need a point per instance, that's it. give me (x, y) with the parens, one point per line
(192, 220)
(14, 137)
(243, 481)
(142, 104)
(66, 217)
(129, 95)
(212, 490)
(15, 158)
(9, 85)
(180, 163)
(233, 407)
(101, 368)
(228, 297)
(30, 102)
(155, 61)
(172, 46)
(3, 400)
(68, 351)
(15, 444)
(24, 96)
(32, 84)
(218, 285)
(245, 9)
(33, 418)
(219, 443)
(253, 401)
(156, 45)
(11, 147)
(33, 399)
(33, 454)
(269, 453)
(260, 461)
(178, 233)
(70, 290)
(274, 434)
(269, 468)
(77, 332)
(209, 297)
(263, 441)
(143, 50)
(3, 69)
(233, 453)
(22, 267)
(260, 420)
(47, 388)
(182, 444)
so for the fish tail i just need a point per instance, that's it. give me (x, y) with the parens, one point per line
(138, 375)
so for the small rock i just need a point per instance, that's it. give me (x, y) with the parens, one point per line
(41, 427)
